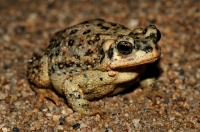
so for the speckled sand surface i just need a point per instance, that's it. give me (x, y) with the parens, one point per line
(26, 27)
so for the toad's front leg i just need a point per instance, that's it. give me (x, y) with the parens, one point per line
(75, 98)
(148, 86)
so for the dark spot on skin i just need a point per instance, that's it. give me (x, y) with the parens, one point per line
(97, 37)
(102, 55)
(69, 64)
(96, 59)
(136, 37)
(148, 49)
(88, 53)
(73, 31)
(74, 96)
(56, 39)
(101, 79)
(116, 28)
(144, 42)
(137, 44)
(57, 52)
(87, 63)
(99, 25)
(104, 27)
(102, 52)
(54, 43)
(110, 53)
(60, 65)
(58, 74)
(152, 37)
(76, 126)
(113, 24)
(144, 31)
(52, 69)
(123, 27)
(64, 73)
(131, 33)
(71, 42)
(78, 65)
(79, 45)
(86, 32)
(33, 71)
(127, 39)
(51, 55)
(90, 42)
(120, 36)
(84, 105)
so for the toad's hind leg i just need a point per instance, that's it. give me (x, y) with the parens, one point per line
(75, 98)
(47, 93)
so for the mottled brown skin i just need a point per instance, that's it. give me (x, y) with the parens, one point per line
(91, 60)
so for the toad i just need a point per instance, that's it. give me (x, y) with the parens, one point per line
(91, 60)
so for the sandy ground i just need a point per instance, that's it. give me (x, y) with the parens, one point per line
(26, 27)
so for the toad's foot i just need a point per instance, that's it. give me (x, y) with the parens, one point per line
(148, 90)
(75, 98)
(47, 93)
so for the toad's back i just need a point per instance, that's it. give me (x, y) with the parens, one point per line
(80, 47)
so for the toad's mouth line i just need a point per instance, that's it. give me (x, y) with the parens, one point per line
(136, 63)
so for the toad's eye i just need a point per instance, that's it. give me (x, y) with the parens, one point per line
(124, 47)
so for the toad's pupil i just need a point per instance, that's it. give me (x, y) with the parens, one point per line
(124, 47)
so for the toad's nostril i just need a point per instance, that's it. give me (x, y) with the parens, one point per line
(148, 49)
